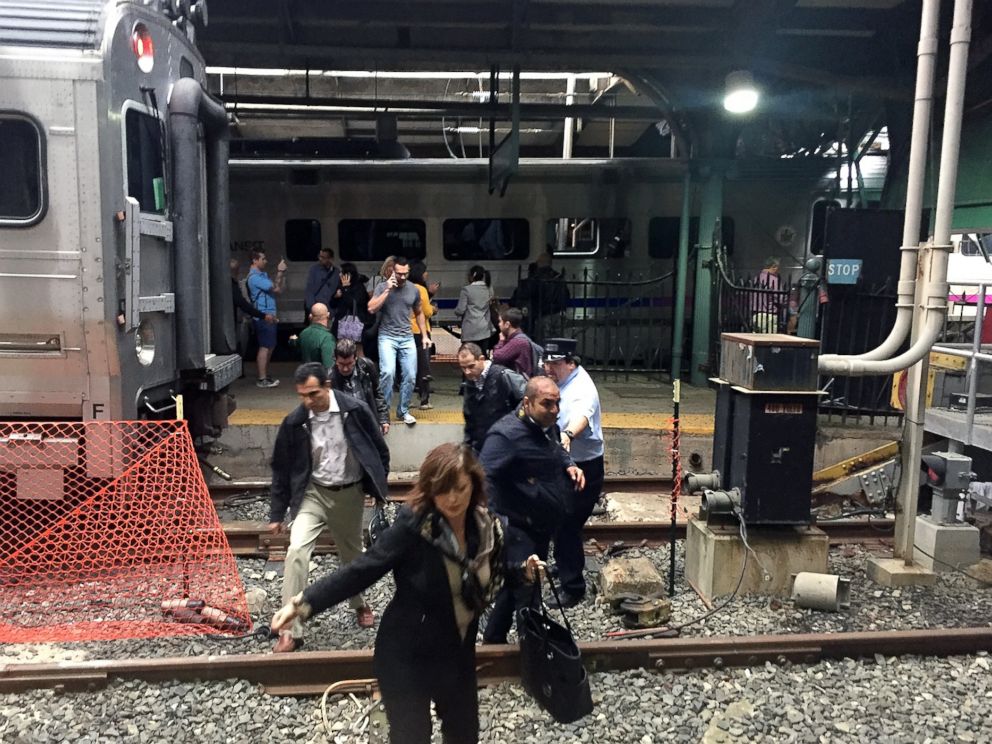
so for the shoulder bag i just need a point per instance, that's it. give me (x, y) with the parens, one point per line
(550, 662)
(351, 326)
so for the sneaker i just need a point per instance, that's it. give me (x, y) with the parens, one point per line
(365, 617)
(408, 419)
(426, 406)
(266, 382)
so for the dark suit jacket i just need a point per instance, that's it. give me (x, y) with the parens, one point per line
(366, 378)
(291, 461)
(526, 473)
(502, 391)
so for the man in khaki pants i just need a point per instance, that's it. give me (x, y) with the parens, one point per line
(329, 453)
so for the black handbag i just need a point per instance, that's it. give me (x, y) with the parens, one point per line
(378, 524)
(551, 664)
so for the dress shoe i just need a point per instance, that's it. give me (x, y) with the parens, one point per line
(567, 600)
(366, 618)
(286, 643)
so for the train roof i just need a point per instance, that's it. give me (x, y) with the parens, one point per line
(65, 24)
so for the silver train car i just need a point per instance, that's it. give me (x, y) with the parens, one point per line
(608, 223)
(114, 289)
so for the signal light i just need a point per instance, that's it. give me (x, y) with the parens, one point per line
(144, 49)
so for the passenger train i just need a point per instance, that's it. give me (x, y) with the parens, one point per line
(608, 217)
(114, 281)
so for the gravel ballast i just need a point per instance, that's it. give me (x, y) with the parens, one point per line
(882, 701)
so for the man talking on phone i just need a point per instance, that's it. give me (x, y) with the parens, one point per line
(396, 299)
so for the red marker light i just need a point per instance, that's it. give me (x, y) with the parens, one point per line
(144, 50)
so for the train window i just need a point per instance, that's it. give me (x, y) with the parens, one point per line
(663, 235)
(486, 239)
(302, 240)
(374, 240)
(573, 236)
(145, 138)
(22, 171)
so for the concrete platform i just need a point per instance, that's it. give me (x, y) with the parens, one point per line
(894, 573)
(637, 411)
(714, 555)
(944, 547)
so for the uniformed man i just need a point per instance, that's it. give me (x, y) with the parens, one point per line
(579, 420)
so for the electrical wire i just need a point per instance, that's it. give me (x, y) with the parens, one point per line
(953, 566)
(678, 628)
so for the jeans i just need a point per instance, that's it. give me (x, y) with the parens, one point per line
(389, 348)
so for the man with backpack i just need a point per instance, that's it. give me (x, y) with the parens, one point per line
(489, 392)
(515, 349)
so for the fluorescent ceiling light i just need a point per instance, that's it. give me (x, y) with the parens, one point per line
(400, 75)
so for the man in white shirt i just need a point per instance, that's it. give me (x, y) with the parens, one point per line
(580, 422)
(329, 453)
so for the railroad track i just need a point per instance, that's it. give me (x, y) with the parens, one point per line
(312, 672)
(252, 539)
(398, 489)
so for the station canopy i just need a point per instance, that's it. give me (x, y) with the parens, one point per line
(642, 77)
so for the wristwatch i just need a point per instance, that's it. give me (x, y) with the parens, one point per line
(569, 434)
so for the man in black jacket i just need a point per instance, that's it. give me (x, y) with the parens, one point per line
(530, 478)
(489, 392)
(359, 377)
(329, 453)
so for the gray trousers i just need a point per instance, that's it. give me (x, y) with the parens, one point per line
(341, 513)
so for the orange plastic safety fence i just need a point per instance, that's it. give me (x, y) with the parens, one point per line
(107, 531)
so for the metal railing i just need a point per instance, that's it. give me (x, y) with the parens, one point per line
(962, 337)
(622, 321)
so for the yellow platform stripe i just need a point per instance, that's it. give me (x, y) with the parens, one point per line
(693, 424)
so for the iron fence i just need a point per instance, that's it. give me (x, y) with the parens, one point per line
(622, 321)
(854, 320)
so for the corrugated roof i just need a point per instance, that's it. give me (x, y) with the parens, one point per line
(73, 24)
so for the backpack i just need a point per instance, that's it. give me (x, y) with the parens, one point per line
(536, 357)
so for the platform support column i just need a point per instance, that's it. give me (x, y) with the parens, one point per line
(702, 312)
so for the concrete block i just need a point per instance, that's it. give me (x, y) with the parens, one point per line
(623, 506)
(255, 598)
(893, 572)
(630, 576)
(714, 555)
(949, 545)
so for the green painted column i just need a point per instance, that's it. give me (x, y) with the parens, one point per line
(710, 211)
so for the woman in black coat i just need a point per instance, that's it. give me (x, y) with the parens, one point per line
(354, 300)
(446, 555)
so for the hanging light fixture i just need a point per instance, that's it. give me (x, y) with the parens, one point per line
(741, 93)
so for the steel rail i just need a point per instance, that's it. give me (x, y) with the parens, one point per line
(310, 673)
(252, 539)
(399, 489)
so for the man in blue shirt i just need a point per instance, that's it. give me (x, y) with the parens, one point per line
(261, 293)
(323, 283)
(580, 423)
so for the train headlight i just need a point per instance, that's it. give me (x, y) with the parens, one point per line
(144, 343)
(144, 49)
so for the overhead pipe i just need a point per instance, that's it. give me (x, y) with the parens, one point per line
(925, 71)
(932, 297)
(189, 107)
